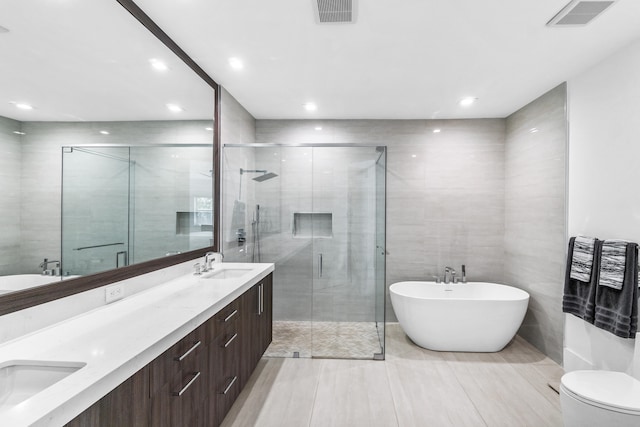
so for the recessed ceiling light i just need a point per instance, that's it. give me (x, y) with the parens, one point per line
(17, 132)
(236, 63)
(23, 106)
(209, 129)
(3, 29)
(158, 65)
(104, 132)
(174, 108)
(414, 155)
(318, 128)
(465, 102)
(436, 131)
(310, 106)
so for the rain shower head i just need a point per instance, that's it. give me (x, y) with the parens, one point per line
(265, 175)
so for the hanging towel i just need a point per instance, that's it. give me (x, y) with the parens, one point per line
(617, 310)
(582, 259)
(612, 263)
(579, 296)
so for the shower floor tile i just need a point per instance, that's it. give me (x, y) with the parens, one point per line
(332, 340)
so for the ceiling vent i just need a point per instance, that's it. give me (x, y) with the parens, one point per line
(334, 11)
(579, 12)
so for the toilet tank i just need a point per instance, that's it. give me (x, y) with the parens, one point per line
(588, 347)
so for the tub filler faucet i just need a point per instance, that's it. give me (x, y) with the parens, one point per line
(50, 272)
(452, 275)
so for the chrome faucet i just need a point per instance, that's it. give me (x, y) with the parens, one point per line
(452, 275)
(210, 258)
(49, 272)
(197, 269)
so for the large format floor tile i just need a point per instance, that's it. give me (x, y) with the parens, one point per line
(412, 387)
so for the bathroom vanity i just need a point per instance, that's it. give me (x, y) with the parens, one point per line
(177, 354)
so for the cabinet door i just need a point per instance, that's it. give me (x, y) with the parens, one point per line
(250, 334)
(266, 315)
(257, 322)
(126, 405)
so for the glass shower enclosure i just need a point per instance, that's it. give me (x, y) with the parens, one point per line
(318, 213)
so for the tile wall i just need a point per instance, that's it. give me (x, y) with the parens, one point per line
(10, 170)
(535, 214)
(445, 190)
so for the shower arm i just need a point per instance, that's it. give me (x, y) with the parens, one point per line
(242, 172)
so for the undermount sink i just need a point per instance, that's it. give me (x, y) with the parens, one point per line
(226, 273)
(22, 379)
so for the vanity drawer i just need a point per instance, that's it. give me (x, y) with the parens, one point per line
(225, 381)
(184, 356)
(224, 319)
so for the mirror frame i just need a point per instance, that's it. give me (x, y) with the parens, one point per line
(31, 297)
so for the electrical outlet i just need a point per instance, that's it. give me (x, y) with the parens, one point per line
(113, 293)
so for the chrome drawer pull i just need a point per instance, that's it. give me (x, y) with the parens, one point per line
(226, 390)
(195, 377)
(179, 359)
(231, 315)
(231, 339)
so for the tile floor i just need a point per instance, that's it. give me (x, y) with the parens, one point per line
(412, 387)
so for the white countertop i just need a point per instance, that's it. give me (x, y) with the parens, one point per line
(117, 340)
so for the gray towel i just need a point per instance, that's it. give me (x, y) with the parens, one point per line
(617, 310)
(579, 296)
(614, 254)
(582, 259)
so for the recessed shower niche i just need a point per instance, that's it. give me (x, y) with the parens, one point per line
(310, 224)
(320, 218)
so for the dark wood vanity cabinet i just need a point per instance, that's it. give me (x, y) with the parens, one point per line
(198, 379)
(126, 405)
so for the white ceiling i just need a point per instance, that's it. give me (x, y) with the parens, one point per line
(403, 59)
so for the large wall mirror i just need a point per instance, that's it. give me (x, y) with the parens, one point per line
(107, 141)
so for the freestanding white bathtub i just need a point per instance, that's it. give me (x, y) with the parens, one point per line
(18, 282)
(473, 316)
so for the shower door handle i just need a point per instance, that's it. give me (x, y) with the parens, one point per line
(124, 256)
(319, 265)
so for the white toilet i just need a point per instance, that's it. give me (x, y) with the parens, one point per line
(600, 399)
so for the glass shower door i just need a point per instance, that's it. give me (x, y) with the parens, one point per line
(95, 209)
(381, 245)
(345, 293)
